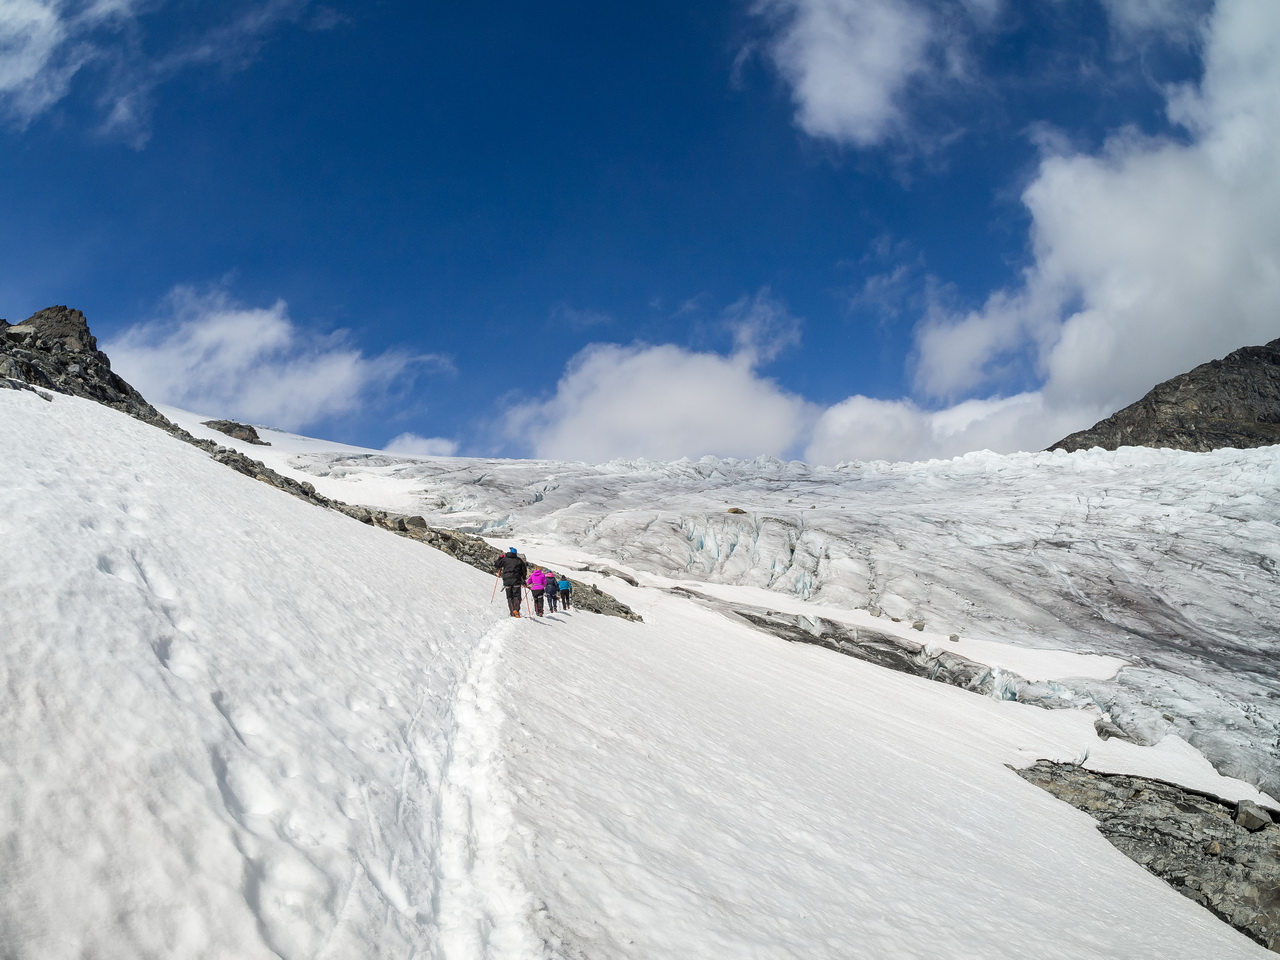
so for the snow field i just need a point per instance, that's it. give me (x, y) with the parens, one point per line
(1164, 560)
(233, 725)
(691, 787)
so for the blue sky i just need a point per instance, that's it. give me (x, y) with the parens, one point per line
(829, 229)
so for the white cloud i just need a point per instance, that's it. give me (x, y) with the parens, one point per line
(42, 47)
(1147, 257)
(1177, 18)
(762, 327)
(253, 363)
(848, 62)
(1151, 256)
(855, 67)
(662, 402)
(861, 428)
(665, 402)
(413, 445)
(45, 44)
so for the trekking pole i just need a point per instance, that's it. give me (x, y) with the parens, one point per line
(494, 593)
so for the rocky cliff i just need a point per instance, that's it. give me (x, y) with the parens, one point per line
(1232, 402)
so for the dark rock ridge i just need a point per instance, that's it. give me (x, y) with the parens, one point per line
(920, 659)
(236, 431)
(1225, 856)
(1232, 402)
(54, 349)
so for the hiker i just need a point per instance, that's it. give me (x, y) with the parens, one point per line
(552, 591)
(537, 586)
(565, 589)
(513, 570)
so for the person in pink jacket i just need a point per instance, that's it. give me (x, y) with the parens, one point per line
(537, 585)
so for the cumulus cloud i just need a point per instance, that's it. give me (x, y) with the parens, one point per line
(662, 402)
(848, 62)
(862, 428)
(413, 445)
(215, 356)
(45, 44)
(853, 66)
(1149, 257)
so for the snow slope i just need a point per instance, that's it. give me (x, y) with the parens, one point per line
(235, 725)
(1165, 560)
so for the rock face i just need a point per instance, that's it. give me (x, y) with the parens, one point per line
(54, 349)
(1232, 402)
(1222, 855)
(236, 431)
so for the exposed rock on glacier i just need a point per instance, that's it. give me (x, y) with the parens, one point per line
(1195, 842)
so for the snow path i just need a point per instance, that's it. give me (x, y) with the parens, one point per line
(482, 904)
(233, 725)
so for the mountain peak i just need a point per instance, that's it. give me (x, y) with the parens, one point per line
(1232, 402)
(54, 349)
(58, 325)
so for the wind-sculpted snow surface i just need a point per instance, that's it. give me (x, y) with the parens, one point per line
(1168, 559)
(237, 726)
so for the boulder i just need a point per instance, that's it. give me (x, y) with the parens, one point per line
(1251, 816)
(237, 431)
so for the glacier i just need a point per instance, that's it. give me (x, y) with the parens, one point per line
(1167, 560)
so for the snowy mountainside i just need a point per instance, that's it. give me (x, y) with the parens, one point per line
(235, 725)
(1169, 560)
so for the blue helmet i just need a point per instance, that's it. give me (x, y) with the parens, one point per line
(512, 551)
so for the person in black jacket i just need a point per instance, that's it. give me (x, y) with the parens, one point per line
(513, 571)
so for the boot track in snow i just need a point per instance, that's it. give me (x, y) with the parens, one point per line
(481, 906)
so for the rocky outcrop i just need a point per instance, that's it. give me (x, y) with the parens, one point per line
(55, 350)
(1225, 856)
(236, 431)
(1232, 402)
(920, 659)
